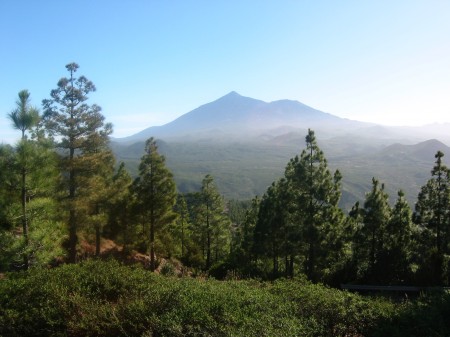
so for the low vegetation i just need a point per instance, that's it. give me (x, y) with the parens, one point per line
(98, 298)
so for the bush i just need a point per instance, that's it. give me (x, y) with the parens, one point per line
(98, 298)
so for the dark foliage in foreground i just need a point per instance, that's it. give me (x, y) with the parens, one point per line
(106, 299)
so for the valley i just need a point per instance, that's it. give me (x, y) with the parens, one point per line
(246, 143)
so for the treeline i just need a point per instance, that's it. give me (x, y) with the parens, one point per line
(297, 226)
(62, 190)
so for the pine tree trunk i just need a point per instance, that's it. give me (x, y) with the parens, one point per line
(73, 239)
(208, 239)
(97, 240)
(275, 266)
(208, 249)
(291, 266)
(311, 261)
(152, 243)
(286, 266)
(372, 255)
(24, 219)
(182, 238)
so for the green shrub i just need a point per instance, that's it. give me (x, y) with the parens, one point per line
(168, 269)
(98, 298)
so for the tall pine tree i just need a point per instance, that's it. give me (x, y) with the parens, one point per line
(315, 192)
(121, 218)
(24, 118)
(432, 214)
(76, 126)
(373, 233)
(274, 236)
(212, 226)
(156, 194)
(400, 232)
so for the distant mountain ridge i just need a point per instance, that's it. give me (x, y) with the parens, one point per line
(424, 151)
(238, 116)
(246, 143)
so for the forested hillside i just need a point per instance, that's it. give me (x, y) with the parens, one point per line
(243, 169)
(245, 143)
(63, 194)
(65, 198)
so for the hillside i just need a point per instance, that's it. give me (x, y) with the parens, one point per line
(246, 143)
(245, 169)
(238, 117)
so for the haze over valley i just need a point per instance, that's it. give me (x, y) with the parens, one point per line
(246, 143)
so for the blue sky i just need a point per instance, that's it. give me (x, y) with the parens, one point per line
(381, 61)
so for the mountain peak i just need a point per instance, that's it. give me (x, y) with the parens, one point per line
(240, 115)
(232, 94)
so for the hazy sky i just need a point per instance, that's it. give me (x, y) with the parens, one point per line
(381, 61)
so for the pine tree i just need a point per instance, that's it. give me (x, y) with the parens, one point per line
(236, 211)
(212, 224)
(272, 233)
(376, 216)
(181, 228)
(45, 230)
(243, 254)
(432, 214)
(8, 185)
(76, 126)
(96, 191)
(156, 194)
(399, 242)
(315, 193)
(29, 177)
(121, 218)
(24, 117)
(9, 196)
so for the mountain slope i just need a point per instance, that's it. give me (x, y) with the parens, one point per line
(237, 116)
(245, 169)
(246, 143)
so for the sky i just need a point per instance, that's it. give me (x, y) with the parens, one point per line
(384, 61)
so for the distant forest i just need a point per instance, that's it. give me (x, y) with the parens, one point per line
(64, 199)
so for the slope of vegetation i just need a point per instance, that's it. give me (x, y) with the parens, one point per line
(98, 298)
(245, 168)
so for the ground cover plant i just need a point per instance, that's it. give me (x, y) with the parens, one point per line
(98, 298)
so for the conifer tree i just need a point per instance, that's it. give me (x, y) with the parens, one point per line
(121, 217)
(376, 216)
(77, 127)
(316, 193)
(8, 185)
(156, 193)
(244, 251)
(432, 214)
(212, 224)
(399, 241)
(24, 117)
(358, 261)
(270, 235)
(29, 175)
(96, 190)
(236, 211)
(45, 229)
(182, 226)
